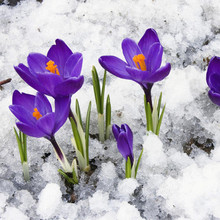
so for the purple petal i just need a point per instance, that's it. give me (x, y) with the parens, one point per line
(213, 68)
(46, 124)
(22, 114)
(49, 81)
(214, 82)
(115, 131)
(69, 86)
(149, 38)
(160, 74)
(37, 62)
(130, 49)
(42, 104)
(115, 66)
(30, 130)
(59, 53)
(23, 99)
(29, 78)
(62, 108)
(129, 135)
(154, 58)
(215, 97)
(73, 65)
(123, 146)
(138, 75)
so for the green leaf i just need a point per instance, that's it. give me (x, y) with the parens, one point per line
(148, 115)
(78, 112)
(138, 162)
(154, 116)
(128, 168)
(159, 104)
(96, 88)
(101, 127)
(70, 180)
(87, 131)
(19, 145)
(160, 121)
(103, 93)
(77, 136)
(24, 143)
(108, 117)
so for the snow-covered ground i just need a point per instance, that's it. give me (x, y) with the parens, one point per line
(179, 175)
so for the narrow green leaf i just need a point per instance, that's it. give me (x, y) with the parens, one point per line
(108, 117)
(138, 162)
(146, 114)
(154, 116)
(78, 112)
(77, 136)
(96, 88)
(19, 145)
(149, 118)
(159, 104)
(160, 121)
(128, 168)
(103, 93)
(24, 144)
(70, 180)
(87, 131)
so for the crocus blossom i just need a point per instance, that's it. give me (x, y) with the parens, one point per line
(124, 138)
(35, 114)
(213, 80)
(57, 74)
(143, 61)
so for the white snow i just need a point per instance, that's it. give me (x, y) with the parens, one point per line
(170, 184)
(49, 200)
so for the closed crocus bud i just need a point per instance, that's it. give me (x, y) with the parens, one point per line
(213, 80)
(124, 138)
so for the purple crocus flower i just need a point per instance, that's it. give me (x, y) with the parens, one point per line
(57, 74)
(143, 61)
(124, 138)
(36, 117)
(213, 80)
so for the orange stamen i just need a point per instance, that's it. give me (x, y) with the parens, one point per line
(139, 61)
(52, 67)
(37, 114)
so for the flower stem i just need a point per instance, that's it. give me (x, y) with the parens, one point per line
(60, 155)
(147, 91)
(57, 148)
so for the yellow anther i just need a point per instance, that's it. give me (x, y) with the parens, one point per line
(52, 67)
(139, 61)
(37, 114)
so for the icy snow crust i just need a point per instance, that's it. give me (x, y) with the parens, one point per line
(170, 184)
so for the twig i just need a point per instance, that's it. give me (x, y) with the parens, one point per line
(4, 82)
